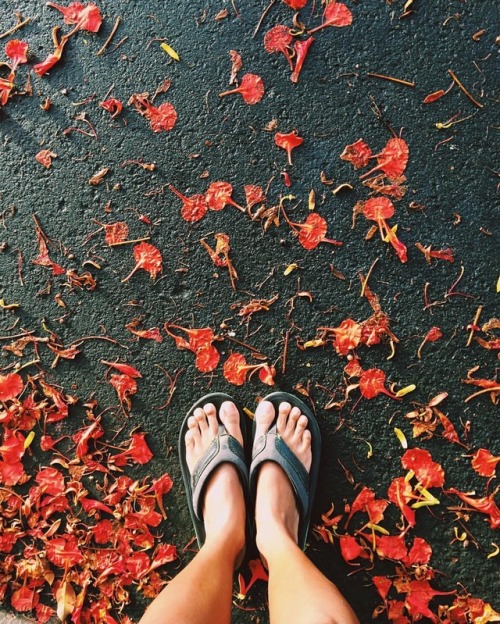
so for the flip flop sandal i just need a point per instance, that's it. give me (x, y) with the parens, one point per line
(272, 447)
(223, 448)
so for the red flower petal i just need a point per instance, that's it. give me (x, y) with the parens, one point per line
(371, 384)
(16, 50)
(428, 472)
(113, 106)
(251, 89)
(87, 17)
(235, 369)
(358, 153)
(336, 14)
(11, 386)
(484, 463)
(115, 232)
(148, 258)
(24, 599)
(288, 142)
(351, 549)
(377, 208)
(193, 208)
(296, 4)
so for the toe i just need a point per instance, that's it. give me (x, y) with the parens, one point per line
(201, 419)
(192, 422)
(230, 417)
(211, 413)
(306, 440)
(292, 419)
(264, 416)
(283, 412)
(301, 426)
(189, 440)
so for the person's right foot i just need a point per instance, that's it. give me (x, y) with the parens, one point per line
(276, 513)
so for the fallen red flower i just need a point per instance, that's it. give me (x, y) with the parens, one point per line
(251, 89)
(420, 593)
(258, 573)
(419, 554)
(193, 208)
(236, 369)
(485, 505)
(392, 160)
(484, 463)
(115, 232)
(432, 335)
(125, 387)
(218, 196)
(11, 386)
(312, 232)
(278, 39)
(137, 452)
(358, 153)
(24, 599)
(161, 118)
(401, 493)
(17, 51)
(113, 106)
(288, 142)
(42, 68)
(366, 501)
(254, 195)
(428, 472)
(126, 369)
(391, 547)
(64, 552)
(86, 17)
(336, 14)
(379, 209)
(200, 343)
(148, 258)
(351, 549)
(301, 48)
(44, 157)
(372, 383)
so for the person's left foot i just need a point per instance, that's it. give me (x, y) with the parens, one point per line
(223, 500)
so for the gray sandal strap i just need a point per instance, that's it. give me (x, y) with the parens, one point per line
(223, 449)
(272, 447)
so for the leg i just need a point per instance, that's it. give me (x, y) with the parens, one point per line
(298, 591)
(201, 593)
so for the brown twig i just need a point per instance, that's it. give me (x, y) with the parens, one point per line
(15, 28)
(111, 35)
(407, 83)
(464, 90)
(262, 17)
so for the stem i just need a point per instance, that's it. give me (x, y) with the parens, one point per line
(126, 279)
(231, 92)
(178, 193)
(111, 35)
(493, 389)
(313, 30)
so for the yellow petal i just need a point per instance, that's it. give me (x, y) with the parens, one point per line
(401, 437)
(170, 51)
(290, 268)
(406, 390)
(29, 439)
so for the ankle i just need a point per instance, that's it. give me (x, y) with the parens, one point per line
(274, 535)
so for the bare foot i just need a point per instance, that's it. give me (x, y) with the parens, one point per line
(224, 502)
(276, 513)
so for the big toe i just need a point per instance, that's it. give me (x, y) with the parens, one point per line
(264, 416)
(230, 417)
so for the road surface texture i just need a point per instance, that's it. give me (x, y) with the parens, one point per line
(366, 80)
